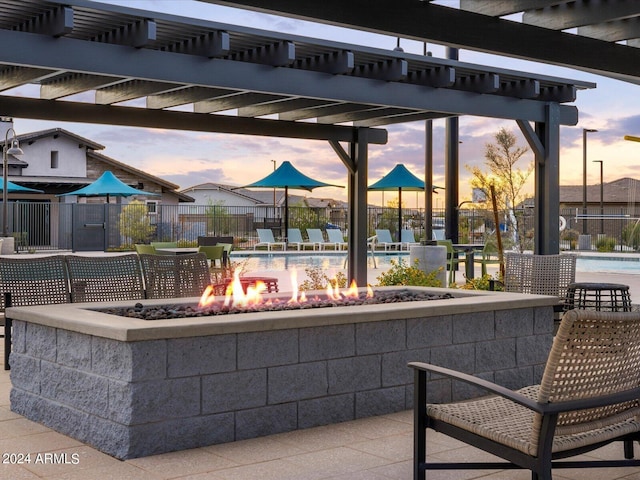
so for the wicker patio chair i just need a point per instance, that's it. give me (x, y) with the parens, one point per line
(31, 281)
(539, 274)
(588, 397)
(104, 279)
(174, 276)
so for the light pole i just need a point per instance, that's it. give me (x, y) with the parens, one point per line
(584, 176)
(601, 196)
(6, 151)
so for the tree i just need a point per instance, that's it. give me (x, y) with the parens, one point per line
(135, 224)
(508, 180)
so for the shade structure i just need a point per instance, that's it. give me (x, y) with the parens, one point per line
(287, 176)
(15, 188)
(399, 178)
(106, 186)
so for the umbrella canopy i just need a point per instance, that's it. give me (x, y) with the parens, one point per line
(15, 188)
(399, 178)
(107, 185)
(287, 176)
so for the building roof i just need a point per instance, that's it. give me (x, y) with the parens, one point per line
(621, 191)
(32, 137)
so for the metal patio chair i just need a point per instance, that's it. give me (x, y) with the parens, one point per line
(589, 396)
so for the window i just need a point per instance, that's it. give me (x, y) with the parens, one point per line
(54, 159)
(152, 207)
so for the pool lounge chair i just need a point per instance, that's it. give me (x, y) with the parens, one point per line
(294, 238)
(407, 238)
(335, 236)
(315, 236)
(383, 237)
(265, 238)
(438, 234)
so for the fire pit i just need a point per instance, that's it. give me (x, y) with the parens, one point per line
(163, 312)
(132, 387)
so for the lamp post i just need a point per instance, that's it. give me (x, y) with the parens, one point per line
(14, 149)
(601, 196)
(584, 176)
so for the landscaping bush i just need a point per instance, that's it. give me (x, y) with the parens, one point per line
(402, 274)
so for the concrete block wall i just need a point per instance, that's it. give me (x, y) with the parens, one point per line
(132, 399)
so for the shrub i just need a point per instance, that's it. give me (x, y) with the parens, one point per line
(318, 280)
(606, 244)
(402, 274)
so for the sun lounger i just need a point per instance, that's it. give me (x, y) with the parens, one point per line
(294, 238)
(265, 238)
(383, 237)
(315, 236)
(407, 238)
(335, 236)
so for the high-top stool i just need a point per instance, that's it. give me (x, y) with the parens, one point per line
(608, 297)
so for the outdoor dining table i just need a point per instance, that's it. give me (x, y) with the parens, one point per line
(469, 251)
(176, 251)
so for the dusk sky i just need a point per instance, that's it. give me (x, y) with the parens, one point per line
(191, 158)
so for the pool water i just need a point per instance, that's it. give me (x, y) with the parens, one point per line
(619, 264)
(280, 262)
(301, 262)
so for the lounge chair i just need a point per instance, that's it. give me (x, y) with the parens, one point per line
(407, 238)
(315, 236)
(335, 236)
(438, 234)
(383, 237)
(294, 238)
(265, 238)
(588, 397)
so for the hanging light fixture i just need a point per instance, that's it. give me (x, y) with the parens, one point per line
(10, 148)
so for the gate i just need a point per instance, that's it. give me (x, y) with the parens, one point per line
(89, 227)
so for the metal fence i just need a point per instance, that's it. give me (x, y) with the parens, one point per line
(78, 227)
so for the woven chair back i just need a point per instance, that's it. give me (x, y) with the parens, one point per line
(34, 280)
(171, 276)
(104, 279)
(539, 274)
(594, 354)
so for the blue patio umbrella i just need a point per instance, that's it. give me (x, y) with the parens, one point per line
(15, 188)
(287, 176)
(399, 178)
(105, 186)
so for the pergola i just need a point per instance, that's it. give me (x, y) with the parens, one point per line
(120, 54)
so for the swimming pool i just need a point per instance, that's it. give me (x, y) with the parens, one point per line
(335, 261)
(326, 260)
(618, 264)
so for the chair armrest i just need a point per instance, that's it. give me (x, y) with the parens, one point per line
(481, 383)
(542, 408)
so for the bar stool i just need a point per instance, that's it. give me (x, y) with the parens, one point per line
(608, 297)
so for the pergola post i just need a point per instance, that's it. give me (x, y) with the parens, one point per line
(547, 183)
(358, 224)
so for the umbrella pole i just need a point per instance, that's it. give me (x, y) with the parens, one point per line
(399, 214)
(286, 213)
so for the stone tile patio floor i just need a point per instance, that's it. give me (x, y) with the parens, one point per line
(377, 448)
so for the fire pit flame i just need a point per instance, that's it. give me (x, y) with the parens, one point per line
(235, 296)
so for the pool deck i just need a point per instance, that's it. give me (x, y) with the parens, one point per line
(376, 448)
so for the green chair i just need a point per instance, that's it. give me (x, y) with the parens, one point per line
(165, 244)
(215, 257)
(226, 257)
(488, 256)
(143, 248)
(452, 259)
